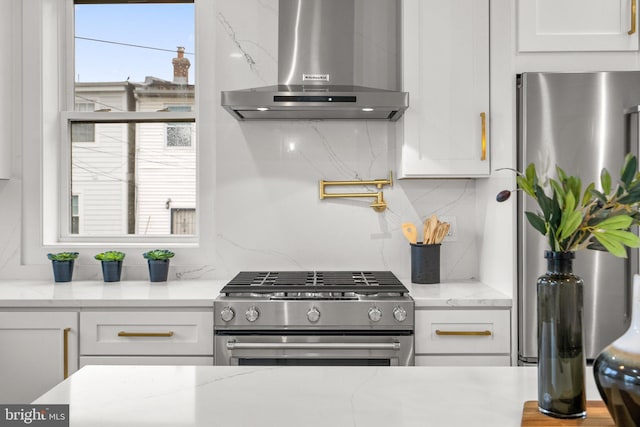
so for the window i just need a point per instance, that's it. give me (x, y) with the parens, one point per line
(84, 132)
(183, 221)
(134, 95)
(75, 215)
(179, 134)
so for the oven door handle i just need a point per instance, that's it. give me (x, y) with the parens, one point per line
(233, 345)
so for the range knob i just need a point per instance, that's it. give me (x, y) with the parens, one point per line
(400, 314)
(252, 314)
(227, 314)
(375, 314)
(313, 315)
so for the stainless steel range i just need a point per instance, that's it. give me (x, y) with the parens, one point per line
(314, 318)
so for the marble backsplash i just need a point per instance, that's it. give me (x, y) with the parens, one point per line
(268, 211)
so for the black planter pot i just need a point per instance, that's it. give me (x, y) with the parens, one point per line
(62, 270)
(561, 362)
(158, 270)
(111, 271)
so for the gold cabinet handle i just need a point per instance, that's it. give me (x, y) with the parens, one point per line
(65, 352)
(633, 17)
(145, 334)
(472, 333)
(483, 141)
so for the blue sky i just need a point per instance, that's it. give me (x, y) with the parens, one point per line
(162, 26)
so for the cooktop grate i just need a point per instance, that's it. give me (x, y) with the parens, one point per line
(314, 281)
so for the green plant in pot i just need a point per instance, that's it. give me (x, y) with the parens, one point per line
(158, 260)
(62, 263)
(111, 265)
(573, 219)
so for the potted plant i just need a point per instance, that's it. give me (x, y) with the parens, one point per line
(158, 260)
(62, 265)
(111, 265)
(572, 219)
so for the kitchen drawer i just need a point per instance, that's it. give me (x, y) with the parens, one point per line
(156, 333)
(463, 331)
(460, 360)
(147, 360)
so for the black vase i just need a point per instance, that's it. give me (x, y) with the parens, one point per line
(617, 370)
(111, 271)
(561, 362)
(158, 270)
(62, 270)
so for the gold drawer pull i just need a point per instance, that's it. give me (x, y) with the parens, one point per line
(65, 352)
(633, 17)
(484, 333)
(145, 334)
(483, 136)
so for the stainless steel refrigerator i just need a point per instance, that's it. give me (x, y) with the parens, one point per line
(581, 122)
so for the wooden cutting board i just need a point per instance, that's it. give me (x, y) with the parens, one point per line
(597, 416)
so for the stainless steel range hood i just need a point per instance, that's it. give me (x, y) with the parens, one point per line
(321, 60)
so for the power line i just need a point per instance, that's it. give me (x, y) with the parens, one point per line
(130, 45)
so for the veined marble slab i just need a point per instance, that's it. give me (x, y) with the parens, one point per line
(42, 294)
(297, 396)
(201, 293)
(468, 293)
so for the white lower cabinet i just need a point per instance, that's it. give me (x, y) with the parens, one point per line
(463, 337)
(38, 349)
(146, 337)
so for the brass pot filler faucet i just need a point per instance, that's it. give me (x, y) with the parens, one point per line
(379, 205)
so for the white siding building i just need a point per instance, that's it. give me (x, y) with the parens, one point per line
(135, 178)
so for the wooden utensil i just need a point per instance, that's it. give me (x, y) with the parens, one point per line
(441, 232)
(430, 226)
(410, 232)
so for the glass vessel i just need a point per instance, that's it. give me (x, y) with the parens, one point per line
(561, 363)
(617, 370)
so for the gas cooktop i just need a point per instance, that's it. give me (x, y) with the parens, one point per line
(367, 282)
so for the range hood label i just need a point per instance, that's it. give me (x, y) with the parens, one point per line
(315, 77)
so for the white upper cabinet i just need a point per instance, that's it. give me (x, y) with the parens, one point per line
(577, 25)
(445, 132)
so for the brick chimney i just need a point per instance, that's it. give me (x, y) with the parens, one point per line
(181, 67)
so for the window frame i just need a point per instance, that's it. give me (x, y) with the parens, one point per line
(43, 27)
(178, 124)
(68, 116)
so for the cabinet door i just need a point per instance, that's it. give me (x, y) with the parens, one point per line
(577, 25)
(446, 72)
(39, 349)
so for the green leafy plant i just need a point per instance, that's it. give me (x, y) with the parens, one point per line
(572, 219)
(110, 256)
(63, 256)
(158, 254)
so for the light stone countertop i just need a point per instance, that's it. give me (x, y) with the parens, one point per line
(462, 293)
(201, 293)
(45, 294)
(194, 396)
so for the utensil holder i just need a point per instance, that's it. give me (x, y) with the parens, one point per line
(425, 263)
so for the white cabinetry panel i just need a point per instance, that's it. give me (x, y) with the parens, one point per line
(473, 337)
(576, 25)
(446, 72)
(147, 333)
(37, 350)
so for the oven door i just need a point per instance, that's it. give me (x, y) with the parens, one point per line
(326, 349)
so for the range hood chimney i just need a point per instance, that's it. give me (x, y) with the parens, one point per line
(317, 64)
